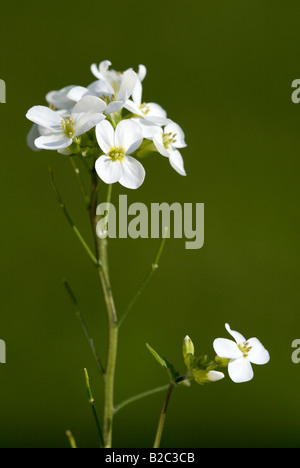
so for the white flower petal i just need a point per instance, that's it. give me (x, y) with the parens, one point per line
(137, 93)
(98, 71)
(114, 106)
(89, 104)
(33, 134)
(105, 136)
(214, 376)
(148, 128)
(258, 354)
(142, 73)
(155, 110)
(128, 84)
(177, 163)
(128, 136)
(180, 136)
(227, 349)
(85, 122)
(133, 173)
(108, 170)
(59, 99)
(100, 88)
(240, 370)
(133, 108)
(159, 143)
(236, 335)
(78, 92)
(53, 142)
(45, 117)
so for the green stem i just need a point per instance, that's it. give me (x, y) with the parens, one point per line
(154, 268)
(80, 181)
(71, 439)
(93, 407)
(101, 246)
(140, 397)
(84, 326)
(70, 221)
(162, 419)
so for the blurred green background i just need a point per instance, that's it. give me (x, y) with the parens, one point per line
(223, 70)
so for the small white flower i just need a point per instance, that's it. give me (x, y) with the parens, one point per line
(242, 353)
(167, 143)
(151, 112)
(115, 94)
(117, 165)
(59, 99)
(58, 132)
(103, 72)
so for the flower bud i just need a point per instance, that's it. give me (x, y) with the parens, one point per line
(188, 347)
(203, 376)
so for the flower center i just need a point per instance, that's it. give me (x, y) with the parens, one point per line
(169, 139)
(145, 108)
(245, 349)
(117, 154)
(68, 127)
(108, 99)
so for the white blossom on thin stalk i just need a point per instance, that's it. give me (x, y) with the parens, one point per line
(168, 142)
(115, 95)
(116, 165)
(242, 353)
(60, 132)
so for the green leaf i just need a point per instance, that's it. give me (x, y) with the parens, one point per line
(167, 366)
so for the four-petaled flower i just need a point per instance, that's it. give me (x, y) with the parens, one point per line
(242, 353)
(116, 165)
(167, 143)
(60, 132)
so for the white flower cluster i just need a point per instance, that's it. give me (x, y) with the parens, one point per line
(110, 118)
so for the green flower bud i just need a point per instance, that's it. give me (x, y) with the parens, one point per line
(203, 376)
(188, 347)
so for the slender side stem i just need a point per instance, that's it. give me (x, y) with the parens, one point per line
(80, 181)
(154, 268)
(140, 397)
(163, 415)
(93, 407)
(71, 439)
(70, 221)
(84, 326)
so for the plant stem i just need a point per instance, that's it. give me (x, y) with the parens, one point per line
(71, 439)
(84, 326)
(163, 415)
(154, 268)
(92, 404)
(101, 246)
(140, 397)
(70, 221)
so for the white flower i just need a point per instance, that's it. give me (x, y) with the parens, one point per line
(59, 132)
(167, 143)
(117, 165)
(151, 112)
(59, 99)
(115, 94)
(103, 73)
(242, 353)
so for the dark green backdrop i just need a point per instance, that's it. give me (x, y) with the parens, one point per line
(223, 70)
